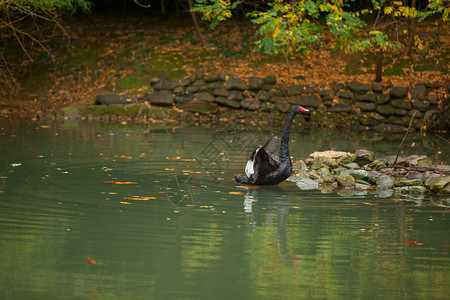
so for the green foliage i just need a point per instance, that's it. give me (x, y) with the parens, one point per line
(49, 5)
(293, 26)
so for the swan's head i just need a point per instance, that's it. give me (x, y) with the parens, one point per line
(299, 108)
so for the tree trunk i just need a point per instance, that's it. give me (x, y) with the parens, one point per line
(197, 28)
(411, 29)
(379, 66)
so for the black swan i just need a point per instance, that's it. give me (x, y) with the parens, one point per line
(264, 166)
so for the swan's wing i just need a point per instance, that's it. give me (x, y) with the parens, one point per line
(250, 167)
(271, 145)
(270, 148)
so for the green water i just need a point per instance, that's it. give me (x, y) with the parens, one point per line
(200, 235)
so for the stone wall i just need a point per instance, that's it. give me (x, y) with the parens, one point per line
(374, 107)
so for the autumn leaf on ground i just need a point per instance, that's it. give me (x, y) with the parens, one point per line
(139, 198)
(120, 182)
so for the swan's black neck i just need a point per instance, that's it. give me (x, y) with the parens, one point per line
(284, 148)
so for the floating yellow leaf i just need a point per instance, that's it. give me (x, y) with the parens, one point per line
(120, 182)
(139, 198)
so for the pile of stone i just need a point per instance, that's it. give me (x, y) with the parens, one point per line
(361, 173)
(375, 106)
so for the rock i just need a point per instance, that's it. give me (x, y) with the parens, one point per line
(270, 80)
(114, 99)
(367, 98)
(420, 105)
(373, 176)
(382, 99)
(430, 114)
(361, 184)
(310, 90)
(345, 95)
(419, 92)
(161, 97)
(255, 83)
(263, 96)
(414, 160)
(326, 175)
(329, 154)
(358, 87)
(294, 90)
(305, 183)
(414, 189)
(236, 95)
(299, 165)
(340, 107)
(385, 109)
(401, 103)
(250, 104)
(235, 83)
(227, 102)
(365, 106)
(185, 82)
(221, 92)
(437, 184)
(193, 88)
(376, 116)
(205, 97)
(203, 108)
(377, 164)
(267, 106)
(306, 100)
(345, 180)
(385, 181)
(407, 182)
(357, 174)
(363, 157)
(336, 87)
(165, 84)
(283, 107)
(182, 98)
(377, 87)
(217, 85)
(433, 99)
(211, 78)
(398, 92)
(400, 112)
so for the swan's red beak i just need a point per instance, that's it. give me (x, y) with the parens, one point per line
(302, 109)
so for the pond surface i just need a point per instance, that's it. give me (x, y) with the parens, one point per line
(92, 211)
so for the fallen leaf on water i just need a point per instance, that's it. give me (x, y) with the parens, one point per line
(120, 182)
(413, 243)
(195, 172)
(124, 202)
(236, 193)
(139, 198)
(188, 159)
(90, 260)
(249, 186)
(173, 158)
(123, 156)
(15, 165)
